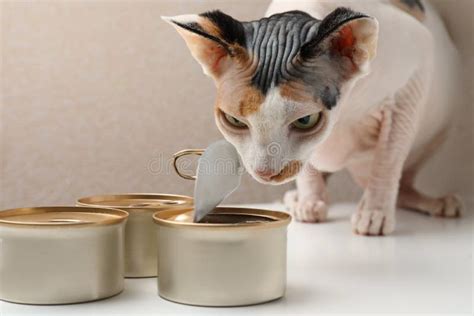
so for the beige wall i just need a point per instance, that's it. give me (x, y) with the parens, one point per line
(95, 93)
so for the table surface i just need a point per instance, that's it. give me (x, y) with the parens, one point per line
(425, 267)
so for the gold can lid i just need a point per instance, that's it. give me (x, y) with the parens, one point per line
(137, 201)
(62, 216)
(224, 217)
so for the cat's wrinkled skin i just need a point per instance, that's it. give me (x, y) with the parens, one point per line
(322, 87)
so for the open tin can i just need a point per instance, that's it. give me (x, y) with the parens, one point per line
(235, 256)
(61, 254)
(140, 231)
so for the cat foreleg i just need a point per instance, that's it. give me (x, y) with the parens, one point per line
(376, 211)
(309, 202)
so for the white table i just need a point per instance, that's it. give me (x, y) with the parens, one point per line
(426, 266)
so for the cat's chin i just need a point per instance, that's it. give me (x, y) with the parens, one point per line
(286, 174)
(274, 182)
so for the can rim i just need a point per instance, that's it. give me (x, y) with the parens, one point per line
(278, 218)
(116, 216)
(94, 200)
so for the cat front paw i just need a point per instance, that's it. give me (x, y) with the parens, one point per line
(309, 210)
(373, 222)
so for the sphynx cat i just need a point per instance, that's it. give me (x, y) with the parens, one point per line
(320, 86)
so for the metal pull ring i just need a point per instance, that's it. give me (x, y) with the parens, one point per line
(182, 153)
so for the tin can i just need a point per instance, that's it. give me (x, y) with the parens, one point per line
(61, 254)
(235, 256)
(140, 231)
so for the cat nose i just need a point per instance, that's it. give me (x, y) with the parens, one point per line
(265, 174)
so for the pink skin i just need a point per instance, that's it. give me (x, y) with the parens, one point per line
(380, 179)
(388, 121)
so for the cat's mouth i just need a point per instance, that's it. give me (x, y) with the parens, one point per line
(287, 173)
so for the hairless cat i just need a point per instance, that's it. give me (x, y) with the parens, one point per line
(320, 86)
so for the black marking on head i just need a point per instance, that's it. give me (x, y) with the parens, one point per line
(288, 46)
(231, 30)
(274, 43)
(330, 24)
(285, 47)
(329, 96)
(414, 3)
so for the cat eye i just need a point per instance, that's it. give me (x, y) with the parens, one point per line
(308, 121)
(234, 122)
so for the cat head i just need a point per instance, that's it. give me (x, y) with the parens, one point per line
(279, 80)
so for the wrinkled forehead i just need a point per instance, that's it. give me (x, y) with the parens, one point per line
(272, 44)
(306, 60)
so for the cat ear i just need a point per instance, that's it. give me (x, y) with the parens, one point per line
(348, 37)
(213, 38)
